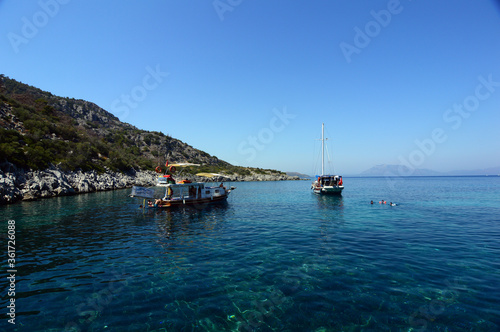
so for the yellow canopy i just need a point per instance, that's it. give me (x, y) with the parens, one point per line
(183, 165)
(209, 175)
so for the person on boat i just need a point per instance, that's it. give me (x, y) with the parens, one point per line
(150, 203)
(158, 202)
(170, 179)
(169, 193)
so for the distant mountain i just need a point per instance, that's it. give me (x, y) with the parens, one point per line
(401, 170)
(397, 170)
(300, 175)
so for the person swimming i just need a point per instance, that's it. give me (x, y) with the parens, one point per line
(392, 204)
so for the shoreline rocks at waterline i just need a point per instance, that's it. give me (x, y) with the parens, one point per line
(19, 184)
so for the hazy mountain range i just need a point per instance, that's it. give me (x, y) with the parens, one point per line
(400, 170)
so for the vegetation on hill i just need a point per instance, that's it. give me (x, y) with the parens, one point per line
(38, 129)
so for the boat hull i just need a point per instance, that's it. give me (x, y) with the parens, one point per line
(192, 202)
(328, 190)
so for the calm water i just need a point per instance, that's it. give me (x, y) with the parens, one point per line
(275, 258)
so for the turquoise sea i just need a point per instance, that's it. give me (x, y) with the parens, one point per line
(274, 258)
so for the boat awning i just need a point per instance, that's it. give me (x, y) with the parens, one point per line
(209, 175)
(328, 176)
(183, 165)
(182, 185)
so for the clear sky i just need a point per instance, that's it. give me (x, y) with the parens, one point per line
(410, 81)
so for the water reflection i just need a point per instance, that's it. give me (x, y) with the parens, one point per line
(330, 206)
(179, 230)
(330, 201)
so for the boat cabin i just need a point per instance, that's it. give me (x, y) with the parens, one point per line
(329, 180)
(188, 191)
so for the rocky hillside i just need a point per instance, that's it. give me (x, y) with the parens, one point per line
(79, 135)
(80, 141)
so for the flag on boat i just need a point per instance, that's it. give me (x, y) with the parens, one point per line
(142, 192)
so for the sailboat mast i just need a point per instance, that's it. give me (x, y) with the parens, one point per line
(322, 149)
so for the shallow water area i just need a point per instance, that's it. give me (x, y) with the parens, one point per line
(275, 257)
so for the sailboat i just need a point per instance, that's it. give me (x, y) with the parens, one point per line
(326, 184)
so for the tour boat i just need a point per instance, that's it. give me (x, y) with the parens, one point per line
(183, 192)
(326, 184)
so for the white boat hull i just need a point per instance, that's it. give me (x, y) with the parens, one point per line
(188, 193)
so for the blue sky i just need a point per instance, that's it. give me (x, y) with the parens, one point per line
(413, 82)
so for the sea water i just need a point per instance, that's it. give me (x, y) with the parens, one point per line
(276, 257)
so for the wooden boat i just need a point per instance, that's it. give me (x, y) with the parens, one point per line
(183, 192)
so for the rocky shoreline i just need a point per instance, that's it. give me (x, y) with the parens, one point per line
(22, 185)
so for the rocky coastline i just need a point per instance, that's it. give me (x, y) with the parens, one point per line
(24, 185)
